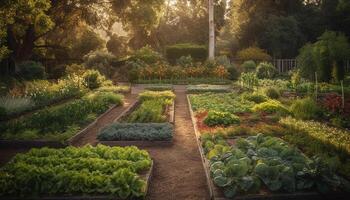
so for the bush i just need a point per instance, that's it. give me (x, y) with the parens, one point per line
(254, 97)
(31, 70)
(15, 105)
(270, 107)
(304, 109)
(253, 53)
(272, 92)
(101, 61)
(266, 71)
(233, 73)
(147, 55)
(249, 66)
(109, 97)
(185, 61)
(93, 79)
(75, 69)
(137, 132)
(216, 118)
(197, 52)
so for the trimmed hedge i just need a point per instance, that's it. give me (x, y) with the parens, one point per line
(137, 132)
(197, 52)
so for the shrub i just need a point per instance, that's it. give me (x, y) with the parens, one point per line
(272, 92)
(216, 118)
(304, 108)
(249, 66)
(31, 70)
(101, 61)
(147, 55)
(253, 53)
(93, 79)
(110, 97)
(137, 131)
(197, 52)
(249, 80)
(100, 170)
(270, 107)
(254, 97)
(75, 69)
(185, 61)
(265, 70)
(233, 73)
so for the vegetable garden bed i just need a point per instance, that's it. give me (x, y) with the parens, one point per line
(99, 172)
(103, 106)
(138, 133)
(193, 89)
(217, 193)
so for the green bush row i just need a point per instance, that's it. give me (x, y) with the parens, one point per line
(137, 132)
(197, 52)
(89, 170)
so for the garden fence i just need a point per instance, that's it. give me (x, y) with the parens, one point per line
(285, 65)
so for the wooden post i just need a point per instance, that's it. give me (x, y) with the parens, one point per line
(211, 30)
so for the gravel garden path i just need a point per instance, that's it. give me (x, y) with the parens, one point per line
(178, 172)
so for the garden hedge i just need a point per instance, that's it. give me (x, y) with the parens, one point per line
(197, 52)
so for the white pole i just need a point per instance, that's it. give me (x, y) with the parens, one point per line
(211, 31)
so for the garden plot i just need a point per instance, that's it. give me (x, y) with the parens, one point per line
(148, 122)
(99, 172)
(208, 88)
(56, 126)
(241, 163)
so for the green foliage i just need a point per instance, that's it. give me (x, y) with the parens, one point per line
(101, 61)
(254, 97)
(197, 52)
(270, 107)
(52, 123)
(75, 69)
(185, 61)
(3, 113)
(137, 132)
(147, 55)
(208, 88)
(115, 89)
(233, 73)
(337, 138)
(88, 170)
(253, 53)
(93, 79)
(263, 160)
(31, 70)
(159, 87)
(222, 102)
(216, 118)
(272, 92)
(151, 95)
(305, 109)
(13, 105)
(266, 70)
(249, 66)
(249, 80)
(325, 56)
(150, 111)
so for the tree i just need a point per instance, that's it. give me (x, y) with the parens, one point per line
(117, 45)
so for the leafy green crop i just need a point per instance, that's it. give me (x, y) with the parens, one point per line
(150, 111)
(137, 131)
(270, 107)
(228, 102)
(215, 118)
(151, 95)
(258, 160)
(54, 122)
(89, 170)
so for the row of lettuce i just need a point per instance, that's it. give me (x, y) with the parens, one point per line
(108, 171)
(291, 146)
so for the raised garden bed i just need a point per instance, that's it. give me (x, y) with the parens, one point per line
(71, 110)
(103, 172)
(141, 134)
(218, 194)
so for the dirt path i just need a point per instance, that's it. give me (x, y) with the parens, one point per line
(178, 171)
(90, 136)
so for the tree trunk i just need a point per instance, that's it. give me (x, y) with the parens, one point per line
(211, 31)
